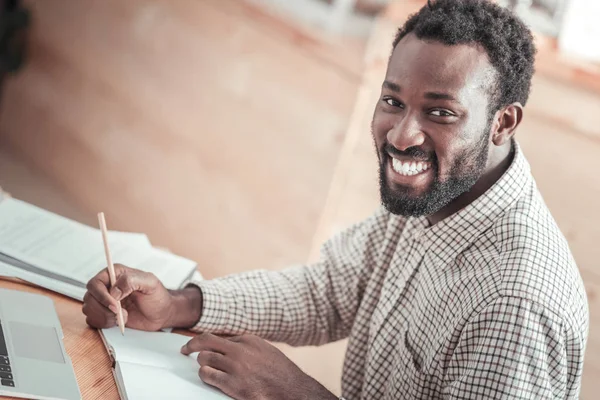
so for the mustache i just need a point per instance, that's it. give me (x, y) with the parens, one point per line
(412, 152)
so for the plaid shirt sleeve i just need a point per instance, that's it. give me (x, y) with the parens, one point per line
(303, 305)
(515, 349)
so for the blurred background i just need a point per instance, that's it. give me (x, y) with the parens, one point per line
(236, 132)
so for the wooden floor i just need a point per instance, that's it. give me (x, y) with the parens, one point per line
(210, 125)
(217, 130)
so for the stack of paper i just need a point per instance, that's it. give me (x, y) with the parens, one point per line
(149, 365)
(62, 255)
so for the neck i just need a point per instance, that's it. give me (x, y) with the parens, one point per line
(498, 163)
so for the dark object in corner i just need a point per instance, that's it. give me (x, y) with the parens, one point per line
(14, 20)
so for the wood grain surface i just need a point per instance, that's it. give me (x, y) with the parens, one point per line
(83, 344)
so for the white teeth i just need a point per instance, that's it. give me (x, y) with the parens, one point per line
(409, 168)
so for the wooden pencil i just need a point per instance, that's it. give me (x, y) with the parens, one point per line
(111, 270)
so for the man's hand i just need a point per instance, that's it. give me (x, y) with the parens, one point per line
(249, 368)
(147, 305)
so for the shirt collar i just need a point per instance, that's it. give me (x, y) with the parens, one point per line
(452, 235)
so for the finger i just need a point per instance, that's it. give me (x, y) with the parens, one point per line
(216, 378)
(102, 277)
(214, 360)
(245, 339)
(124, 312)
(207, 342)
(97, 315)
(132, 280)
(125, 315)
(98, 288)
(108, 323)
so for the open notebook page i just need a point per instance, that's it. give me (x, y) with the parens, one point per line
(141, 383)
(158, 349)
(67, 248)
(144, 357)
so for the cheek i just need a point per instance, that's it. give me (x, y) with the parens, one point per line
(458, 158)
(380, 126)
(450, 150)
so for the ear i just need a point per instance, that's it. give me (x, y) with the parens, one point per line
(507, 121)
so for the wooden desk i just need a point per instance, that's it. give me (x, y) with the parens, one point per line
(90, 359)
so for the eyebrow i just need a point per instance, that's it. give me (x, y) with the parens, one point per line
(394, 87)
(439, 96)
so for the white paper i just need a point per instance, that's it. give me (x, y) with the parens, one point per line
(141, 382)
(159, 349)
(7, 270)
(139, 240)
(73, 250)
(64, 288)
(151, 366)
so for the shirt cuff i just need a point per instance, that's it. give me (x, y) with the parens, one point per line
(214, 305)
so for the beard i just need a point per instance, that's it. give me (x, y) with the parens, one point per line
(465, 172)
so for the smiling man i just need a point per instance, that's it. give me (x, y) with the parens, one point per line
(460, 286)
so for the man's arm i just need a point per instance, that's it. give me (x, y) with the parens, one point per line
(516, 349)
(304, 305)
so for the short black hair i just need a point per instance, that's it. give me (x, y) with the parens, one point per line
(506, 39)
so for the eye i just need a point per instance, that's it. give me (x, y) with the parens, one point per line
(392, 102)
(441, 113)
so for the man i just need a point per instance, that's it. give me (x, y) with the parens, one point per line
(461, 286)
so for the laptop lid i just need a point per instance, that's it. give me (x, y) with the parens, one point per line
(33, 360)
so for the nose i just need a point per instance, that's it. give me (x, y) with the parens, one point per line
(406, 132)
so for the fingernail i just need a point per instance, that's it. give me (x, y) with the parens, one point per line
(184, 348)
(116, 293)
(112, 308)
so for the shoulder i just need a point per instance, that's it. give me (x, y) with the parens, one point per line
(532, 261)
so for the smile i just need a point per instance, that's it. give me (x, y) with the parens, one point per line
(409, 168)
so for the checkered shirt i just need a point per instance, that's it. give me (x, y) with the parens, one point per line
(486, 304)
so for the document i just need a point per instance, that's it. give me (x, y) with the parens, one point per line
(72, 291)
(39, 242)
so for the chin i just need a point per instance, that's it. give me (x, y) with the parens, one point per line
(406, 192)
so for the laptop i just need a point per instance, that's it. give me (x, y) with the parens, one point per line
(33, 361)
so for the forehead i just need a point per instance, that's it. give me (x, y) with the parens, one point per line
(430, 66)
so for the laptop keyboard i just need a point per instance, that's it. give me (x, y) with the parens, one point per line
(6, 377)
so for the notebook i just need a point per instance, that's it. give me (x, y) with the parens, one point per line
(63, 255)
(149, 365)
